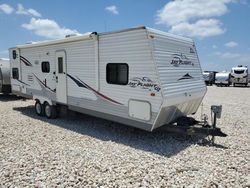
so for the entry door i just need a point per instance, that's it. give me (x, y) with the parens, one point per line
(16, 64)
(61, 77)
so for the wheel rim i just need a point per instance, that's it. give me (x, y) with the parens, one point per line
(38, 108)
(47, 110)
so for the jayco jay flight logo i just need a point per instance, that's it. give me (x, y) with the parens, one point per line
(144, 83)
(180, 59)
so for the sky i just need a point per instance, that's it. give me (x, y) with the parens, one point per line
(220, 28)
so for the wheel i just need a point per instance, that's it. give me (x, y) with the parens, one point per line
(50, 111)
(39, 108)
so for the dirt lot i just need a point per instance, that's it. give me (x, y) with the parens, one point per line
(85, 151)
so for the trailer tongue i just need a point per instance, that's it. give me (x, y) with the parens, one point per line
(190, 126)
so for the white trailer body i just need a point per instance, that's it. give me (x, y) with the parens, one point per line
(223, 79)
(239, 75)
(5, 76)
(140, 76)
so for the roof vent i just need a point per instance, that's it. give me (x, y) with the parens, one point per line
(30, 42)
(70, 35)
(73, 35)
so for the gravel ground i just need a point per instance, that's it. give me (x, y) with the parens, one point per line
(84, 151)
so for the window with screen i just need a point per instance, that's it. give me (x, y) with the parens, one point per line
(60, 65)
(117, 73)
(45, 66)
(15, 74)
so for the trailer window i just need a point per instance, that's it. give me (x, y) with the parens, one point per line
(60, 65)
(15, 74)
(45, 66)
(14, 55)
(117, 73)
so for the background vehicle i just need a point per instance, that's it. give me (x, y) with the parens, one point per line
(239, 75)
(209, 77)
(5, 76)
(223, 79)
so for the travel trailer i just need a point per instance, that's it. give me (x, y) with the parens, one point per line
(5, 76)
(209, 77)
(239, 75)
(140, 77)
(223, 79)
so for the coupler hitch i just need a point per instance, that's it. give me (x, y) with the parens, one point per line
(190, 126)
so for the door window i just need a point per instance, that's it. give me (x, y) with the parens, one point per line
(60, 65)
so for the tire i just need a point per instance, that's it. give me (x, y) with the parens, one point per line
(50, 111)
(39, 108)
